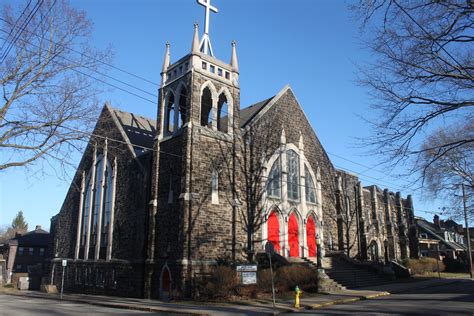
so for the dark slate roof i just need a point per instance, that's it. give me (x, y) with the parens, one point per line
(34, 238)
(247, 114)
(139, 129)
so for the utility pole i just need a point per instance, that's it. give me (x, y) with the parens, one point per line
(467, 230)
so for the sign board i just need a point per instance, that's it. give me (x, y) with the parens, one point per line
(64, 262)
(247, 268)
(248, 278)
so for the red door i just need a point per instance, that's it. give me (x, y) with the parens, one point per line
(311, 237)
(165, 281)
(293, 236)
(274, 230)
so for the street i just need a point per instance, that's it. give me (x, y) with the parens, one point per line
(451, 299)
(26, 306)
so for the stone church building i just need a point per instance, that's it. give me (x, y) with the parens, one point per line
(154, 204)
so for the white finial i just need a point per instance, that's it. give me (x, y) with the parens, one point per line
(205, 45)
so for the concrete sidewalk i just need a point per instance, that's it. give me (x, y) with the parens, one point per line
(243, 307)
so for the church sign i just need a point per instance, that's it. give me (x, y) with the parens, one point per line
(247, 274)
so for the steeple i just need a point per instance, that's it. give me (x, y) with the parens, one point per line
(195, 45)
(166, 63)
(233, 60)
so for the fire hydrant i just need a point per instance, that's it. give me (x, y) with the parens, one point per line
(297, 296)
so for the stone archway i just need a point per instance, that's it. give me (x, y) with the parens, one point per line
(273, 228)
(293, 238)
(311, 237)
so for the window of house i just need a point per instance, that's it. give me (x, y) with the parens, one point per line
(423, 236)
(41, 251)
(212, 69)
(31, 251)
(215, 187)
(274, 180)
(293, 175)
(309, 186)
(21, 250)
(18, 267)
(204, 65)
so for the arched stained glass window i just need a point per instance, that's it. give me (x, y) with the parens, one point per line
(274, 180)
(309, 185)
(293, 175)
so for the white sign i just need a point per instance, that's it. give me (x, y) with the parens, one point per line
(64, 262)
(249, 277)
(247, 268)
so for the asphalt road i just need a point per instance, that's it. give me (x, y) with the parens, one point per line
(451, 299)
(23, 306)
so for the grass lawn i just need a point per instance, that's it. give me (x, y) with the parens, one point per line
(445, 275)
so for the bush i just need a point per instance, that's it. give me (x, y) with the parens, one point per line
(424, 265)
(290, 276)
(453, 265)
(264, 278)
(221, 283)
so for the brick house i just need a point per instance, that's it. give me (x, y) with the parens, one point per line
(154, 204)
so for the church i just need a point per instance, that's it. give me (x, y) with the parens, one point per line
(155, 203)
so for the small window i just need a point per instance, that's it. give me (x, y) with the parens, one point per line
(423, 236)
(41, 251)
(215, 187)
(227, 75)
(21, 251)
(186, 65)
(170, 74)
(18, 267)
(212, 69)
(219, 72)
(31, 250)
(181, 69)
(175, 72)
(204, 65)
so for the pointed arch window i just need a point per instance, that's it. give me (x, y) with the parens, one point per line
(183, 101)
(309, 186)
(274, 180)
(170, 113)
(222, 114)
(206, 107)
(293, 175)
(215, 187)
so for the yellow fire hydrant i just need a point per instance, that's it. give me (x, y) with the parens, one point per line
(297, 296)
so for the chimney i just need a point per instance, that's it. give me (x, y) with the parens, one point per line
(436, 221)
(38, 227)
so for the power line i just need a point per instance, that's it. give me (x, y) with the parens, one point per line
(14, 25)
(22, 28)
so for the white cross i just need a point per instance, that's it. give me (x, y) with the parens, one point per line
(205, 42)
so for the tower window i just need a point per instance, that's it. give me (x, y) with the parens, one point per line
(204, 65)
(227, 75)
(219, 72)
(212, 69)
(169, 114)
(206, 108)
(222, 114)
(183, 101)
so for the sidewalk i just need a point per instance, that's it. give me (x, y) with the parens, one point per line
(244, 307)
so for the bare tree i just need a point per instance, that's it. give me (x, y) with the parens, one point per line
(249, 155)
(422, 75)
(445, 172)
(47, 89)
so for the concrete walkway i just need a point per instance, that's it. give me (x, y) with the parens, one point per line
(243, 307)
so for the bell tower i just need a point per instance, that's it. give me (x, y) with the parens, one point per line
(192, 218)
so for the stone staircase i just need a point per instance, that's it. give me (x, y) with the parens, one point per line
(327, 284)
(350, 275)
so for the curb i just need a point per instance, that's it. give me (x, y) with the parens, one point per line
(347, 300)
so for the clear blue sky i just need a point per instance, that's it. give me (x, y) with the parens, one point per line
(313, 45)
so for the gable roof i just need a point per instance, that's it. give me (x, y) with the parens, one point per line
(438, 233)
(139, 130)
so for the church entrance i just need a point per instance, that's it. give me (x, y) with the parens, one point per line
(293, 239)
(165, 284)
(311, 237)
(273, 227)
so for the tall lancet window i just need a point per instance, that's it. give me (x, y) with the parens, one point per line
(309, 186)
(215, 187)
(222, 114)
(293, 175)
(169, 123)
(274, 180)
(93, 210)
(206, 107)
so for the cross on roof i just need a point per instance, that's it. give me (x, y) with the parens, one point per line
(205, 44)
